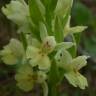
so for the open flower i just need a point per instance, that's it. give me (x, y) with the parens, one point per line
(72, 67)
(37, 53)
(13, 52)
(37, 57)
(26, 78)
(70, 30)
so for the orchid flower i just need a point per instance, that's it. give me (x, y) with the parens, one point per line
(13, 52)
(71, 30)
(38, 50)
(26, 77)
(72, 66)
(18, 12)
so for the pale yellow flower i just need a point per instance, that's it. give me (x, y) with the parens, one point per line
(71, 67)
(13, 52)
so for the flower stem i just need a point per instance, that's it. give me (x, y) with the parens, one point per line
(23, 39)
(53, 91)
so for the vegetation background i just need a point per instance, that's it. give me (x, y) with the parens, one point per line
(83, 13)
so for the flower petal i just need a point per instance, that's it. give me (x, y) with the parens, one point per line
(64, 45)
(44, 63)
(70, 30)
(41, 77)
(33, 41)
(77, 29)
(25, 86)
(16, 47)
(33, 55)
(9, 59)
(37, 57)
(49, 44)
(71, 77)
(82, 81)
(63, 58)
(24, 78)
(76, 79)
(79, 62)
(12, 52)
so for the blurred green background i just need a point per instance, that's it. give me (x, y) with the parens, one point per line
(83, 13)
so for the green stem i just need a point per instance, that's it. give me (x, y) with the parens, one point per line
(53, 79)
(73, 49)
(75, 46)
(54, 91)
(23, 39)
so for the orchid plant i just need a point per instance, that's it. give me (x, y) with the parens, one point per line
(41, 54)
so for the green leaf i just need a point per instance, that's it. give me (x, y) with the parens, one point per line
(73, 49)
(56, 74)
(53, 79)
(66, 18)
(37, 11)
(77, 38)
(50, 4)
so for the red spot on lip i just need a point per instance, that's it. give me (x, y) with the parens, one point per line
(42, 54)
(39, 52)
(47, 43)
